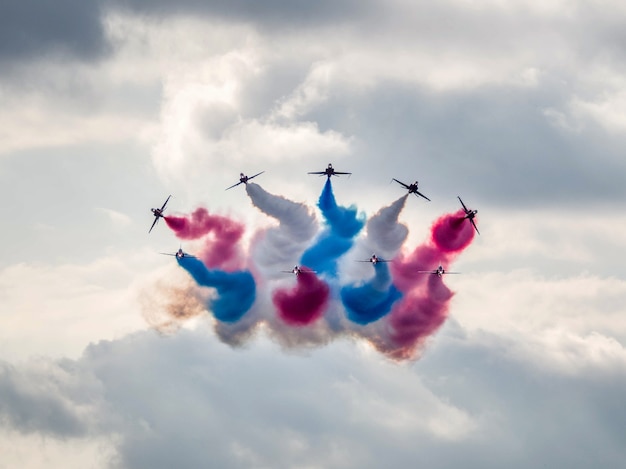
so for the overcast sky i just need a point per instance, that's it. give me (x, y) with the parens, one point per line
(106, 108)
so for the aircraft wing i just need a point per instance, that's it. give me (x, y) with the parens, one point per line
(255, 175)
(339, 172)
(464, 207)
(165, 203)
(321, 173)
(174, 255)
(234, 185)
(418, 193)
(434, 272)
(307, 271)
(401, 183)
(474, 225)
(153, 223)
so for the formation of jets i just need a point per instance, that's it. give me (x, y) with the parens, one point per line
(328, 172)
(439, 271)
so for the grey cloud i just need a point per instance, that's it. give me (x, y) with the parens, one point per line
(33, 29)
(188, 400)
(491, 145)
(36, 399)
(533, 413)
(282, 14)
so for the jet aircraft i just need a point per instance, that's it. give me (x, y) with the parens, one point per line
(243, 179)
(329, 171)
(469, 214)
(158, 213)
(178, 254)
(298, 270)
(438, 271)
(412, 188)
(374, 259)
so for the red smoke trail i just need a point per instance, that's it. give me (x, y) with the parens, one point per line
(220, 249)
(303, 304)
(417, 317)
(405, 268)
(424, 308)
(452, 232)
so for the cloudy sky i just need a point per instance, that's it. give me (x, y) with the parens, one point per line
(107, 107)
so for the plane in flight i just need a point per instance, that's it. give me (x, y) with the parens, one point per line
(412, 188)
(178, 254)
(158, 213)
(469, 214)
(440, 271)
(374, 259)
(329, 171)
(243, 179)
(298, 270)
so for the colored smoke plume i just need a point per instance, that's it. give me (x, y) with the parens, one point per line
(397, 309)
(405, 268)
(235, 291)
(371, 301)
(343, 224)
(452, 232)
(425, 305)
(417, 317)
(220, 249)
(167, 307)
(304, 303)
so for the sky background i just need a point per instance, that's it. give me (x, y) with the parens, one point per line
(108, 107)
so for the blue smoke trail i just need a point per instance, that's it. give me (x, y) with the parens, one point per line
(373, 300)
(344, 223)
(236, 291)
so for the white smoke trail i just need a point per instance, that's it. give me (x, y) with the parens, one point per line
(279, 248)
(384, 237)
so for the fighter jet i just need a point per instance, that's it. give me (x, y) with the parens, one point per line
(243, 179)
(178, 254)
(298, 270)
(374, 259)
(158, 213)
(469, 214)
(438, 271)
(329, 171)
(412, 188)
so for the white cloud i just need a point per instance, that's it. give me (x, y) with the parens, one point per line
(204, 124)
(117, 218)
(34, 451)
(58, 310)
(38, 123)
(527, 302)
(608, 110)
